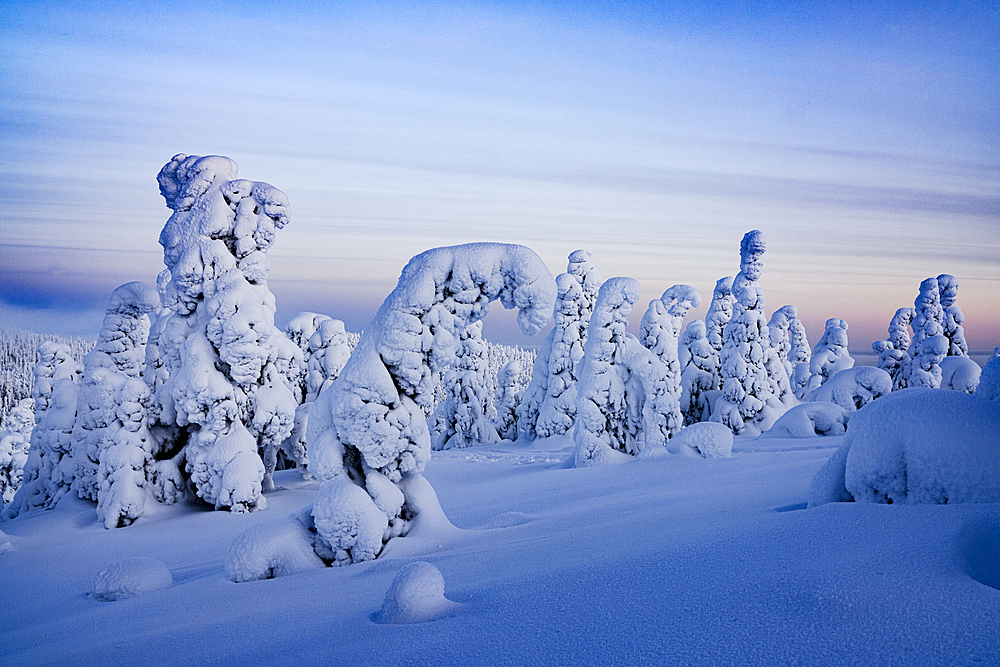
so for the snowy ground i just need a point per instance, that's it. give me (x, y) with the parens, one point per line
(668, 561)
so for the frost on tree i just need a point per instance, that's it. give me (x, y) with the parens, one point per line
(48, 472)
(659, 332)
(624, 398)
(15, 438)
(508, 397)
(747, 404)
(550, 399)
(830, 356)
(929, 344)
(461, 418)
(225, 388)
(325, 351)
(126, 456)
(119, 354)
(698, 376)
(952, 316)
(367, 432)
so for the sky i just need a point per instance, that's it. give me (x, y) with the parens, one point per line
(864, 142)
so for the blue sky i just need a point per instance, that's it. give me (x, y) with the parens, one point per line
(863, 141)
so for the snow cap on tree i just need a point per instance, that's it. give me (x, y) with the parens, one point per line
(368, 435)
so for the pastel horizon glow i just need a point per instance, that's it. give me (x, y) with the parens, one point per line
(864, 142)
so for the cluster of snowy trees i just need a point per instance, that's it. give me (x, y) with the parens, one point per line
(18, 357)
(192, 393)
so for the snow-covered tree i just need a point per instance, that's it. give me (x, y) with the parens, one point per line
(550, 395)
(830, 356)
(508, 397)
(952, 316)
(720, 311)
(15, 438)
(929, 345)
(890, 359)
(698, 375)
(747, 404)
(119, 354)
(367, 432)
(126, 454)
(624, 398)
(224, 389)
(558, 408)
(853, 388)
(461, 419)
(48, 472)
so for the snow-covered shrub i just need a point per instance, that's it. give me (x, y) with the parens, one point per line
(952, 316)
(989, 379)
(830, 356)
(708, 440)
(225, 389)
(853, 388)
(698, 376)
(416, 595)
(367, 433)
(48, 472)
(747, 403)
(508, 397)
(659, 332)
(918, 446)
(120, 354)
(270, 550)
(810, 419)
(624, 399)
(550, 398)
(461, 418)
(126, 457)
(130, 577)
(960, 374)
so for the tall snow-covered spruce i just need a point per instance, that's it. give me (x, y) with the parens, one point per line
(367, 432)
(220, 348)
(747, 404)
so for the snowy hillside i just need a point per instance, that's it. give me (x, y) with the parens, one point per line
(669, 561)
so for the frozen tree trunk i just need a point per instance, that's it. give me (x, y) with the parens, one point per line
(747, 404)
(120, 354)
(225, 389)
(461, 418)
(48, 472)
(368, 436)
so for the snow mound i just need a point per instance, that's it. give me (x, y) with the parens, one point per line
(130, 577)
(960, 374)
(811, 419)
(978, 547)
(919, 446)
(271, 550)
(507, 520)
(709, 440)
(989, 380)
(416, 595)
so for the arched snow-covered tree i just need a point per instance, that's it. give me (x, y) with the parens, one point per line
(233, 405)
(367, 433)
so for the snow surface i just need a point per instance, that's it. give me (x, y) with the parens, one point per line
(670, 561)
